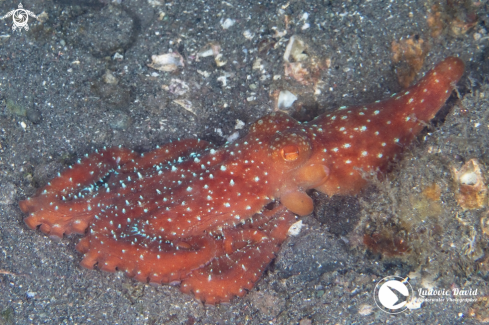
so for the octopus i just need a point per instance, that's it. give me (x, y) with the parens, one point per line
(211, 219)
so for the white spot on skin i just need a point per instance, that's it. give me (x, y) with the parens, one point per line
(383, 144)
(335, 149)
(364, 153)
(379, 155)
(346, 145)
(348, 161)
(363, 128)
(376, 112)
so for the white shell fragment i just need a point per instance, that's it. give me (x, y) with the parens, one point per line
(220, 61)
(109, 78)
(233, 137)
(258, 64)
(228, 22)
(295, 50)
(186, 104)
(248, 34)
(118, 57)
(223, 79)
(167, 62)
(212, 49)
(205, 74)
(177, 87)
(239, 125)
(295, 229)
(285, 99)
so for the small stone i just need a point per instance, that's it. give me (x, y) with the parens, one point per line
(34, 115)
(109, 78)
(365, 309)
(120, 121)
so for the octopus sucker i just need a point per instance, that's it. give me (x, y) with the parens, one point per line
(199, 215)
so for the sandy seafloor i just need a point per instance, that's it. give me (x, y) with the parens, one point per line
(56, 106)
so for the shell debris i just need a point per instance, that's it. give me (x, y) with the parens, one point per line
(186, 104)
(176, 86)
(167, 62)
(301, 64)
(295, 229)
(248, 34)
(212, 49)
(285, 100)
(226, 23)
(471, 189)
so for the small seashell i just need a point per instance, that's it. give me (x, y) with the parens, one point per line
(239, 125)
(178, 87)
(471, 192)
(223, 79)
(295, 50)
(167, 62)
(220, 60)
(186, 104)
(365, 309)
(212, 49)
(109, 78)
(203, 73)
(215, 48)
(248, 35)
(257, 64)
(295, 229)
(118, 57)
(43, 17)
(285, 99)
(228, 22)
(233, 137)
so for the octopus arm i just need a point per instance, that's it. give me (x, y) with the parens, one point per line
(70, 202)
(236, 271)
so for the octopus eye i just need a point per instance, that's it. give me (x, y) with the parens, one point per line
(290, 152)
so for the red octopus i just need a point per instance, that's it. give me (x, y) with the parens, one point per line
(193, 214)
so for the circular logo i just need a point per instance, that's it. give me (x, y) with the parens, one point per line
(392, 294)
(20, 18)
